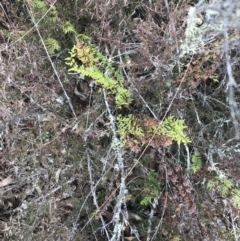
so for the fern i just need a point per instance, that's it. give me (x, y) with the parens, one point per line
(122, 96)
(83, 37)
(152, 188)
(236, 197)
(51, 45)
(38, 4)
(214, 78)
(224, 184)
(226, 188)
(211, 184)
(128, 125)
(68, 27)
(39, 8)
(173, 128)
(132, 125)
(96, 66)
(196, 161)
(146, 200)
(47, 24)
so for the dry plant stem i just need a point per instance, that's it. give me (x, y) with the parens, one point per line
(129, 80)
(75, 225)
(137, 160)
(231, 84)
(154, 205)
(188, 157)
(167, 5)
(94, 193)
(89, 102)
(233, 223)
(54, 190)
(30, 97)
(31, 29)
(52, 64)
(122, 186)
(4, 12)
(8, 188)
(164, 206)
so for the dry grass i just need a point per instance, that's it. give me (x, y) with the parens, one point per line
(63, 173)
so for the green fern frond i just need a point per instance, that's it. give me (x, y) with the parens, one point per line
(39, 8)
(82, 37)
(227, 188)
(38, 5)
(122, 97)
(196, 161)
(128, 125)
(173, 128)
(236, 197)
(95, 65)
(170, 127)
(68, 27)
(146, 201)
(51, 45)
(211, 184)
(225, 185)
(152, 188)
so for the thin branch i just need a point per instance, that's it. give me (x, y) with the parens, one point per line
(49, 58)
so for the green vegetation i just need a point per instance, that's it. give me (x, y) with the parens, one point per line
(196, 161)
(173, 128)
(226, 188)
(129, 125)
(52, 45)
(96, 66)
(132, 125)
(152, 188)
